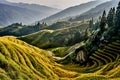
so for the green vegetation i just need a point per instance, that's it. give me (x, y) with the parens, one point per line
(59, 25)
(56, 38)
(110, 17)
(103, 22)
(117, 17)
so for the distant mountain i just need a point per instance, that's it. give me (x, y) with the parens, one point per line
(12, 14)
(35, 7)
(97, 11)
(72, 11)
(22, 12)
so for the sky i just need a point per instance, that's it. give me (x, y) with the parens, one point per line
(60, 4)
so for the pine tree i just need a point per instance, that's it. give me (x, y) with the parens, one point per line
(38, 24)
(91, 23)
(45, 24)
(87, 34)
(117, 17)
(103, 22)
(110, 17)
(99, 19)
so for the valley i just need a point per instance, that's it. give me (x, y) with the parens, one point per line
(83, 45)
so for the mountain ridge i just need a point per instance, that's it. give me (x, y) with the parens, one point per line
(71, 11)
(29, 13)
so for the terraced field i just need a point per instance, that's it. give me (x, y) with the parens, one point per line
(21, 61)
(109, 54)
(104, 62)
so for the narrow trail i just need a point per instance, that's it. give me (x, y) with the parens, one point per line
(70, 51)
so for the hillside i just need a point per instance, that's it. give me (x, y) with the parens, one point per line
(97, 11)
(56, 38)
(72, 11)
(20, 60)
(60, 25)
(21, 12)
(64, 24)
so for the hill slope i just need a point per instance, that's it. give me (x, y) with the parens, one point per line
(72, 11)
(56, 38)
(97, 11)
(14, 59)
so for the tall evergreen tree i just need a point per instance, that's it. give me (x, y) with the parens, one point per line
(87, 34)
(38, 24)
(99, 19)
(45, 24)
(110, 17)
(91, 23)
(117, 17)
(103, 22)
